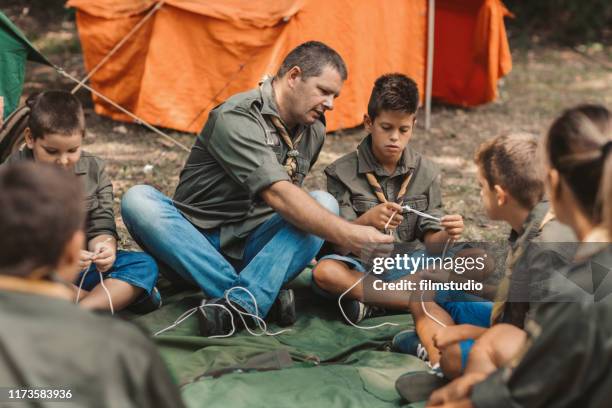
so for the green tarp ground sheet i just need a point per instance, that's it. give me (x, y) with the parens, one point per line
(334, 365)
(15, 49)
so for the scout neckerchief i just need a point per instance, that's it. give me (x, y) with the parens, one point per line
(379, 193)
(291, 161)
(501, 297)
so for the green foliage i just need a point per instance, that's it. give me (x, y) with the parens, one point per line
(564, 21)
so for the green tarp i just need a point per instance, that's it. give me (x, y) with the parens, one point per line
(15, 49)
(335, 365)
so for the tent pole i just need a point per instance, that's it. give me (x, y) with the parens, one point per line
(431, 12)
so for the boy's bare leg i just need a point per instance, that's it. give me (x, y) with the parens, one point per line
(496, 347)
(426, 327)
(450, 361)
(82, 294)
(335, 277)
(122, 295)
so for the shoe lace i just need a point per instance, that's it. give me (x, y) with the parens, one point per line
(421, 353)
(435, 369)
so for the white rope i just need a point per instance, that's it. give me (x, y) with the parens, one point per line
(420, 213)
(261, 324)
(432, 317)
(117, 46)
(108, 295)
(344, 314)
(122, 109)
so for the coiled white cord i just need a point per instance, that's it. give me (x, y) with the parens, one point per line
(261, 324)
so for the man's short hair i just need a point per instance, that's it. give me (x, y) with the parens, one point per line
(312, 57)
(41, 207)
(55, 112)
(393, 92)
(511, 161)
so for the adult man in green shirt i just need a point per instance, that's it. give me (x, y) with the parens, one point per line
(240, 226)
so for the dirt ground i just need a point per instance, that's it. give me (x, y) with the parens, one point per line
(544, 80)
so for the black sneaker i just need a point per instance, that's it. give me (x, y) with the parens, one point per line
(283, 309)
(418, 385)
(146, 303)
(215, 318)
(356, 311)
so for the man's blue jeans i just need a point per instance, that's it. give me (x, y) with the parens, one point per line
(275, 253)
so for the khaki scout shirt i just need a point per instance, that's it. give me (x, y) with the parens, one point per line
(105, 362)
(544, 247)
(239, 153)
(346, 181)
(98, 191)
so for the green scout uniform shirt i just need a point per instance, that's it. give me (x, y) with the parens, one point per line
(98, 191)
(102, 360)
(566, 359)
(346, 181)
(239, 153)
(540, 250)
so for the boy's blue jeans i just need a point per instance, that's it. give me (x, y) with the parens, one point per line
(136, 268)
(275, 253)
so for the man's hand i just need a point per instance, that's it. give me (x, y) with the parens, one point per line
(297, 207)
(104, 254)
(379, 216)
(85, 259)
(455, 394)
(453, 225)
(367, 241)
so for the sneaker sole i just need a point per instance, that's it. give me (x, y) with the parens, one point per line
(418, 386)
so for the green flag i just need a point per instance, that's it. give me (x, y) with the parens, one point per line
(15, 49)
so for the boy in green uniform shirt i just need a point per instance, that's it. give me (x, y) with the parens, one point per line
(48, 345)
(373, 183)
(54, 135)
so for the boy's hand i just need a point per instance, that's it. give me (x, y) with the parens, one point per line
(378, 216)
(445, 337)
(456, 333)
(104, 255)
(85, 259)
(453, 225)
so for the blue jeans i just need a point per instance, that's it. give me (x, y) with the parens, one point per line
(275, 253)
(465, 308)
(136, 268)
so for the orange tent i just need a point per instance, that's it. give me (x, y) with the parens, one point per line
(188, 55)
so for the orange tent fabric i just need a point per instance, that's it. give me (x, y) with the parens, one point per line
(191, 55)
(471, 51)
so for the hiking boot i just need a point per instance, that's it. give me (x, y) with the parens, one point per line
(418, 385)
(283, 309)
(355, 311)
(408, 342)
(146, 303)
(215, 318)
